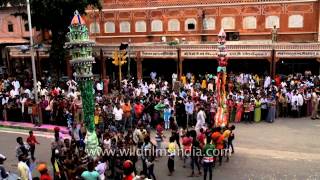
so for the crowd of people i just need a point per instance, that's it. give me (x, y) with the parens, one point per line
(153, 116)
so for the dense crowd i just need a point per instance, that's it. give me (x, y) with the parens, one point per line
(153, 115)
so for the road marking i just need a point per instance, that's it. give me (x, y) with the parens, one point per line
(26, 133)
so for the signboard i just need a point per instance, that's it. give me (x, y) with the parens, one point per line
(27, 54)
(233, 54)
(252, 54)
(195, 54)
(110, 54)
(303, 54)
(159, 54)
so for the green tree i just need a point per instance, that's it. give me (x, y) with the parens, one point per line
(55, 16)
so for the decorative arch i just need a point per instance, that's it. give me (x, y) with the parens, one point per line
(141, 26)
(125, 27)
(156, 26)
(228, 23)
(109, 27)
(174, 25)
(94, 27)
(190, 24)
(209, 23)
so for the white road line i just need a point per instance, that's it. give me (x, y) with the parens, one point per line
(26, 133)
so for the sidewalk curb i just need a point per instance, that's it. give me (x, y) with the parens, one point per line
(31, 128)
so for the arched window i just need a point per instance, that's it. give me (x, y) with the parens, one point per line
(190, 24)
(295, 21)
(141, 26)
(173, 25)
(125, 27)
(209, 24)
(272, 21)
(94, 28)
(26, 27)
(228, 23)
(250, 22)
(10, 27)
(109, 27)
(156, 26)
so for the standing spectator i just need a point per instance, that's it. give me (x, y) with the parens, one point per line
(118, 117)
(3, 173)
(32, 141)
(23, 169)
(171, 153)
(126, 107)
(22, 149)
(208, 159)
(77, 103)
(264, 108)
(166, 117)
(315, 104)
(272, 110)
(43, 170)
(99, 87)
(90, 173)
(239, 111)
(257, 110)
(300, 104)
(189, 107)
(201, 119)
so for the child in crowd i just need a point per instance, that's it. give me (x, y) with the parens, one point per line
(231, 138)
(32, 141)
(171, 154)
(166, 117)
(150, 166)
(159, 140)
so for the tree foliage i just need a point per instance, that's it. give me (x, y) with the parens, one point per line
(53, 15)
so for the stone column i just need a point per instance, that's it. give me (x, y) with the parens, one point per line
(180, 61)
(318, 21)
(139, 66)
(274, 67)
(103, 65)
(318, 60)
(270, 65)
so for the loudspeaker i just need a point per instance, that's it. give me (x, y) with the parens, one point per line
(233, 36)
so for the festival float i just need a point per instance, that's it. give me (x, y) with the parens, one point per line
(81, 51)
(221, 117)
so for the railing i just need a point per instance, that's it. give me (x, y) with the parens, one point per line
(159, 3)
(213, 47)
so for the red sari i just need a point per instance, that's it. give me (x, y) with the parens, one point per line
(239, 112)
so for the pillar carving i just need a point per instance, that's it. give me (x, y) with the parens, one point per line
(103, 65)
(318, 21)
(274, 67)
(139, 65)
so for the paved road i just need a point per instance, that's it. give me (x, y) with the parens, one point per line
(287, 149)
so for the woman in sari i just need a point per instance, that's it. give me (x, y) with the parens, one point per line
(257, 110)
(272, 110)
(239, 110)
